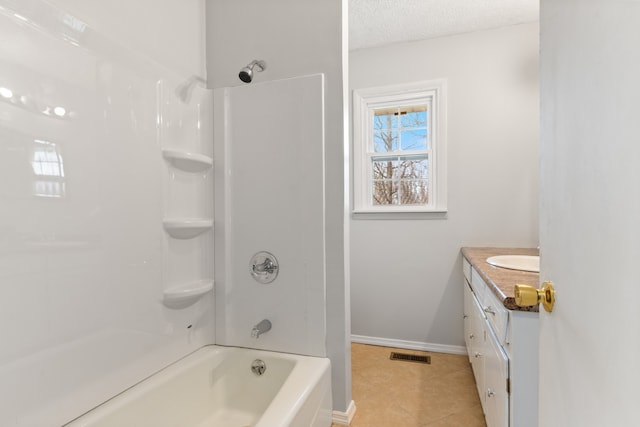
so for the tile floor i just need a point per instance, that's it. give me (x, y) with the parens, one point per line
(392, 393)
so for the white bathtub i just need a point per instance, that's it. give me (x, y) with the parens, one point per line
(215, 387)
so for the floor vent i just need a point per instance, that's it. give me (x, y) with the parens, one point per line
(410, 357)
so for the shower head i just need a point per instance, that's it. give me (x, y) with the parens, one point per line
(246, 74)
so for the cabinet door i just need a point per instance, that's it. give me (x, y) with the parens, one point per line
(496, 374)
(469, 334)
(476, 349)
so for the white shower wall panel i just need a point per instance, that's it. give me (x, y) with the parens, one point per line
(270, 197)
(82, 244)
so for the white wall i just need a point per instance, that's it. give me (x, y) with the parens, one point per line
(414, 296)
(83, 267)
(297, 37)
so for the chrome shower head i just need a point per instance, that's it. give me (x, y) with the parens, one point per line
(246, 74)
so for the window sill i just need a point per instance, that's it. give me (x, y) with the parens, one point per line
(402, 215)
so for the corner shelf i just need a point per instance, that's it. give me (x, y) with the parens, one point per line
(187, 294)
(187, 228)
(186, 161)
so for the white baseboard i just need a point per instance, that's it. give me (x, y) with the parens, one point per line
(344, 418)
(410, 345)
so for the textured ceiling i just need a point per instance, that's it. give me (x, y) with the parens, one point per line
(381, 22)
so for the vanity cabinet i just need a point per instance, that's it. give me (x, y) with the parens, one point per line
(503, 352)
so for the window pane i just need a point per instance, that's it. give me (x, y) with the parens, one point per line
(414, 140)
(386, 118)
(385, 193)
(400, 180)
(414, 117)
(414, 192)
(384, 169)
(385, 141)
(412, 167)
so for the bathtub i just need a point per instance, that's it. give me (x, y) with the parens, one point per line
(216, 387)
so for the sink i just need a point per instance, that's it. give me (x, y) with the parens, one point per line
(516, 262)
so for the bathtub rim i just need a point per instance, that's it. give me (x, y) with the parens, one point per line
(306, 382)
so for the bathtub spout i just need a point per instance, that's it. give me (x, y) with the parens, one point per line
(261, 328)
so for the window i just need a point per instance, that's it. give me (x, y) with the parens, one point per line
(399, 148)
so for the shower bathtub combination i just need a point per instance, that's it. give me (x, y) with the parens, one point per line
(157, 316)
(266, 376)
(224, 387)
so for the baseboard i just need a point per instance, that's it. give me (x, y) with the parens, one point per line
(410, 345)
(344, 418)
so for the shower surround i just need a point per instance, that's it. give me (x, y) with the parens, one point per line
(92, 187)
(105, 236)
(269, 183)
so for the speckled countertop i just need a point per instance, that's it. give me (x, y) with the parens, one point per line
(502, 280)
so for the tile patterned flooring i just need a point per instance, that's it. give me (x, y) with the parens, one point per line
(394, 393)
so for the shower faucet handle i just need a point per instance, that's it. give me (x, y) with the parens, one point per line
(267, 266)
(264, 267)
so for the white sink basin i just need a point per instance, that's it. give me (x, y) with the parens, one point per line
(516, 262)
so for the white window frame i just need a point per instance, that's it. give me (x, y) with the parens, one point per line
(365, 101)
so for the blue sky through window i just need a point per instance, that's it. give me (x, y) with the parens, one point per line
(400, 128)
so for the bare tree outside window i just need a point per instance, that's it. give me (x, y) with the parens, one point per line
(401, 170)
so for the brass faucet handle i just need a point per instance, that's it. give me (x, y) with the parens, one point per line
(528, 295)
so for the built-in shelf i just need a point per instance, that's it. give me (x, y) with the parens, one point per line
(187, 228)
(186, 161)
(184, 295)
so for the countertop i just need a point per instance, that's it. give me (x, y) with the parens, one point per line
(502, 280)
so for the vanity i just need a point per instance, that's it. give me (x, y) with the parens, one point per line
(501, 337)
